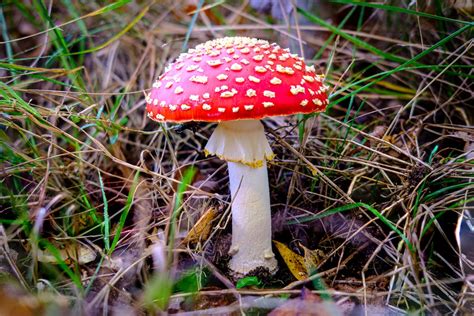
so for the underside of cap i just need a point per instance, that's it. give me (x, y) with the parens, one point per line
(241, 141)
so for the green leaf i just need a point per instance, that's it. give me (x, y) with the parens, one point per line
(248, 281)
(191, 281)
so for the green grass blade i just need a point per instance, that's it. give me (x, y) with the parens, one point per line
(106, 222)
(352, 39)
(186, 180)
(381, 76)
(126, 210)
(191, 25)
(399, 9)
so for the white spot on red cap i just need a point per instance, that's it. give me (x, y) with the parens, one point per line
(248, 107)
(308, 78)
(257, 57)
(245, 50)
(194, 97)
(159, 117)
(297, 89)
(192, 67)
(198, 79)
(254, 79)
(284, 70)
(173, 107)
(251, 93)
(206, 95)
(222, 77)
(239, 79)
(236, 67)
(317, 102)
(267, 104)
(269, 94)
(235, 109)
(284, 57)
(178, 90)
(168, 84)
(260, 69)
(185, 107)
(157, 84)
(206, 107)
(304, 102)
(244, 61)
(228, 94)
(222, 110)
(214, 62)
(310, 68)
(275, 81)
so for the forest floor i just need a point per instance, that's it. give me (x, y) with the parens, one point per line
(103, 211)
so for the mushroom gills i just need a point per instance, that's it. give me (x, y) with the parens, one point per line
(241, 141)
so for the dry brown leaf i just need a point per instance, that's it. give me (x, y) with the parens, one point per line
(70, 252)
(17, 301)
(294, 261)
(202, 229)
(311, 258)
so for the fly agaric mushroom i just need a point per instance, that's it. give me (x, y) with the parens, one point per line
(236, 81)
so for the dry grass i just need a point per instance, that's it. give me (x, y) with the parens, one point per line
(377, 182)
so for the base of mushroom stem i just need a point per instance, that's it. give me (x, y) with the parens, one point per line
(271, 265)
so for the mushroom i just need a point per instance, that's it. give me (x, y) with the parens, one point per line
(236, 81)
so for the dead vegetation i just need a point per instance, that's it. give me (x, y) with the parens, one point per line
(104, 211)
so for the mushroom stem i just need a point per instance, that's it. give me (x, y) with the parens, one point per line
(244, 146)
(251, 219)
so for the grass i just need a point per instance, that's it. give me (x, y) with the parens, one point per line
(377, 182)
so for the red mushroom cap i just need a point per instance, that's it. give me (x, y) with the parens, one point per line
(235, 78)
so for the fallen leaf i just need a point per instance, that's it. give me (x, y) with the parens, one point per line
(300, 266)
(70, 252)
(311, 259)
(15, 300)
(202, 229)
(294, 261)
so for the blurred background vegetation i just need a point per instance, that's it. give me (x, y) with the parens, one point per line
(98, 203)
